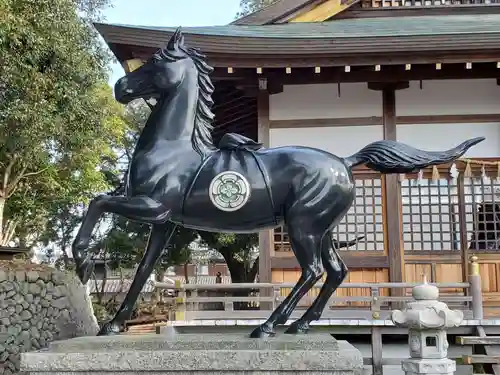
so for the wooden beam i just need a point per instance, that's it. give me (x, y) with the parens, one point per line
(353, 260)
(266, 243)
(389, 73)
(132, 64)
(375, 120)
(388, 86)
(393, 195)
(478, 340)
(462, 223)
(323, 11)
(242, 63)
(481, 359)
(392, 198)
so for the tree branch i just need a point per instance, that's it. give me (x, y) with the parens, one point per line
(33, 173)
(8, 171)
(254, 270)
(9, 231)
(13, 185)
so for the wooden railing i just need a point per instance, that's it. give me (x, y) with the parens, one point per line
(376, 305)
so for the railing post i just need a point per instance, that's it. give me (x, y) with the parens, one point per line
(475, 288)
(276, 297)
(376, 341)
(194, 306)
(375, 305)
(180, 301)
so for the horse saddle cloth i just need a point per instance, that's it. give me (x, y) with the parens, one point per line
(230, 190)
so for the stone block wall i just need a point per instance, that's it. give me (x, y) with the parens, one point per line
(39, 304)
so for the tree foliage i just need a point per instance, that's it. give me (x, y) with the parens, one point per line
(65, 139)
(124, 245)
(60, 127)
(250, 6)
(239, 252)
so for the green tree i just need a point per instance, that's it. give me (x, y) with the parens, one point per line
(250, 6)
(240, 253)
(125, 242)
(57, 120)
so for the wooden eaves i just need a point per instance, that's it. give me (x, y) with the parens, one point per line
(391, 40)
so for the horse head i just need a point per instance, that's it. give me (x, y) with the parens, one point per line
(160, 75)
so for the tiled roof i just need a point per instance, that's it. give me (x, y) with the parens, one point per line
(349, 28)
(341, 38)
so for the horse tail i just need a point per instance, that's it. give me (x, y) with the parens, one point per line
(396, 157)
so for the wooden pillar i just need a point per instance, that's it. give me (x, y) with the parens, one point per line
(462, 224)
(266, 240)
(392, 192)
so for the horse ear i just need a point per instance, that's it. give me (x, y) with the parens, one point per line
(176, 40)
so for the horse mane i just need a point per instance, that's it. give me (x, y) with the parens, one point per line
(202, 135)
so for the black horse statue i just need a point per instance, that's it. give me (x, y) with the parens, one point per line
(177, 176)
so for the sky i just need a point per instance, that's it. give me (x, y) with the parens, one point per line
(169, 13)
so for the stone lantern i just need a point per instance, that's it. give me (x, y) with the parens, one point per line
(427, 320)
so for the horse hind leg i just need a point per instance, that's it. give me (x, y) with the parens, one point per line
(307, 250)
(142, 209)
(158, 240)
(336, 271)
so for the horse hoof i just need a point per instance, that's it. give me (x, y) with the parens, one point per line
(109, 329)
(297, 329)
(262, 332)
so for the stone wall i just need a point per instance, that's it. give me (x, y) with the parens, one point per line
(39, 304)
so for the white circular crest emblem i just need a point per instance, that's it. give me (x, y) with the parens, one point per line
(229, 191)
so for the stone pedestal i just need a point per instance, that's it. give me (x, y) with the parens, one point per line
(427, 320)
(184, 354)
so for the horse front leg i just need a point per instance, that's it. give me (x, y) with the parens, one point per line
(142, 209)
(160, 236)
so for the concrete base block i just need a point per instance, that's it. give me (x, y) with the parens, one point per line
(444, 366)
(184, 354)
